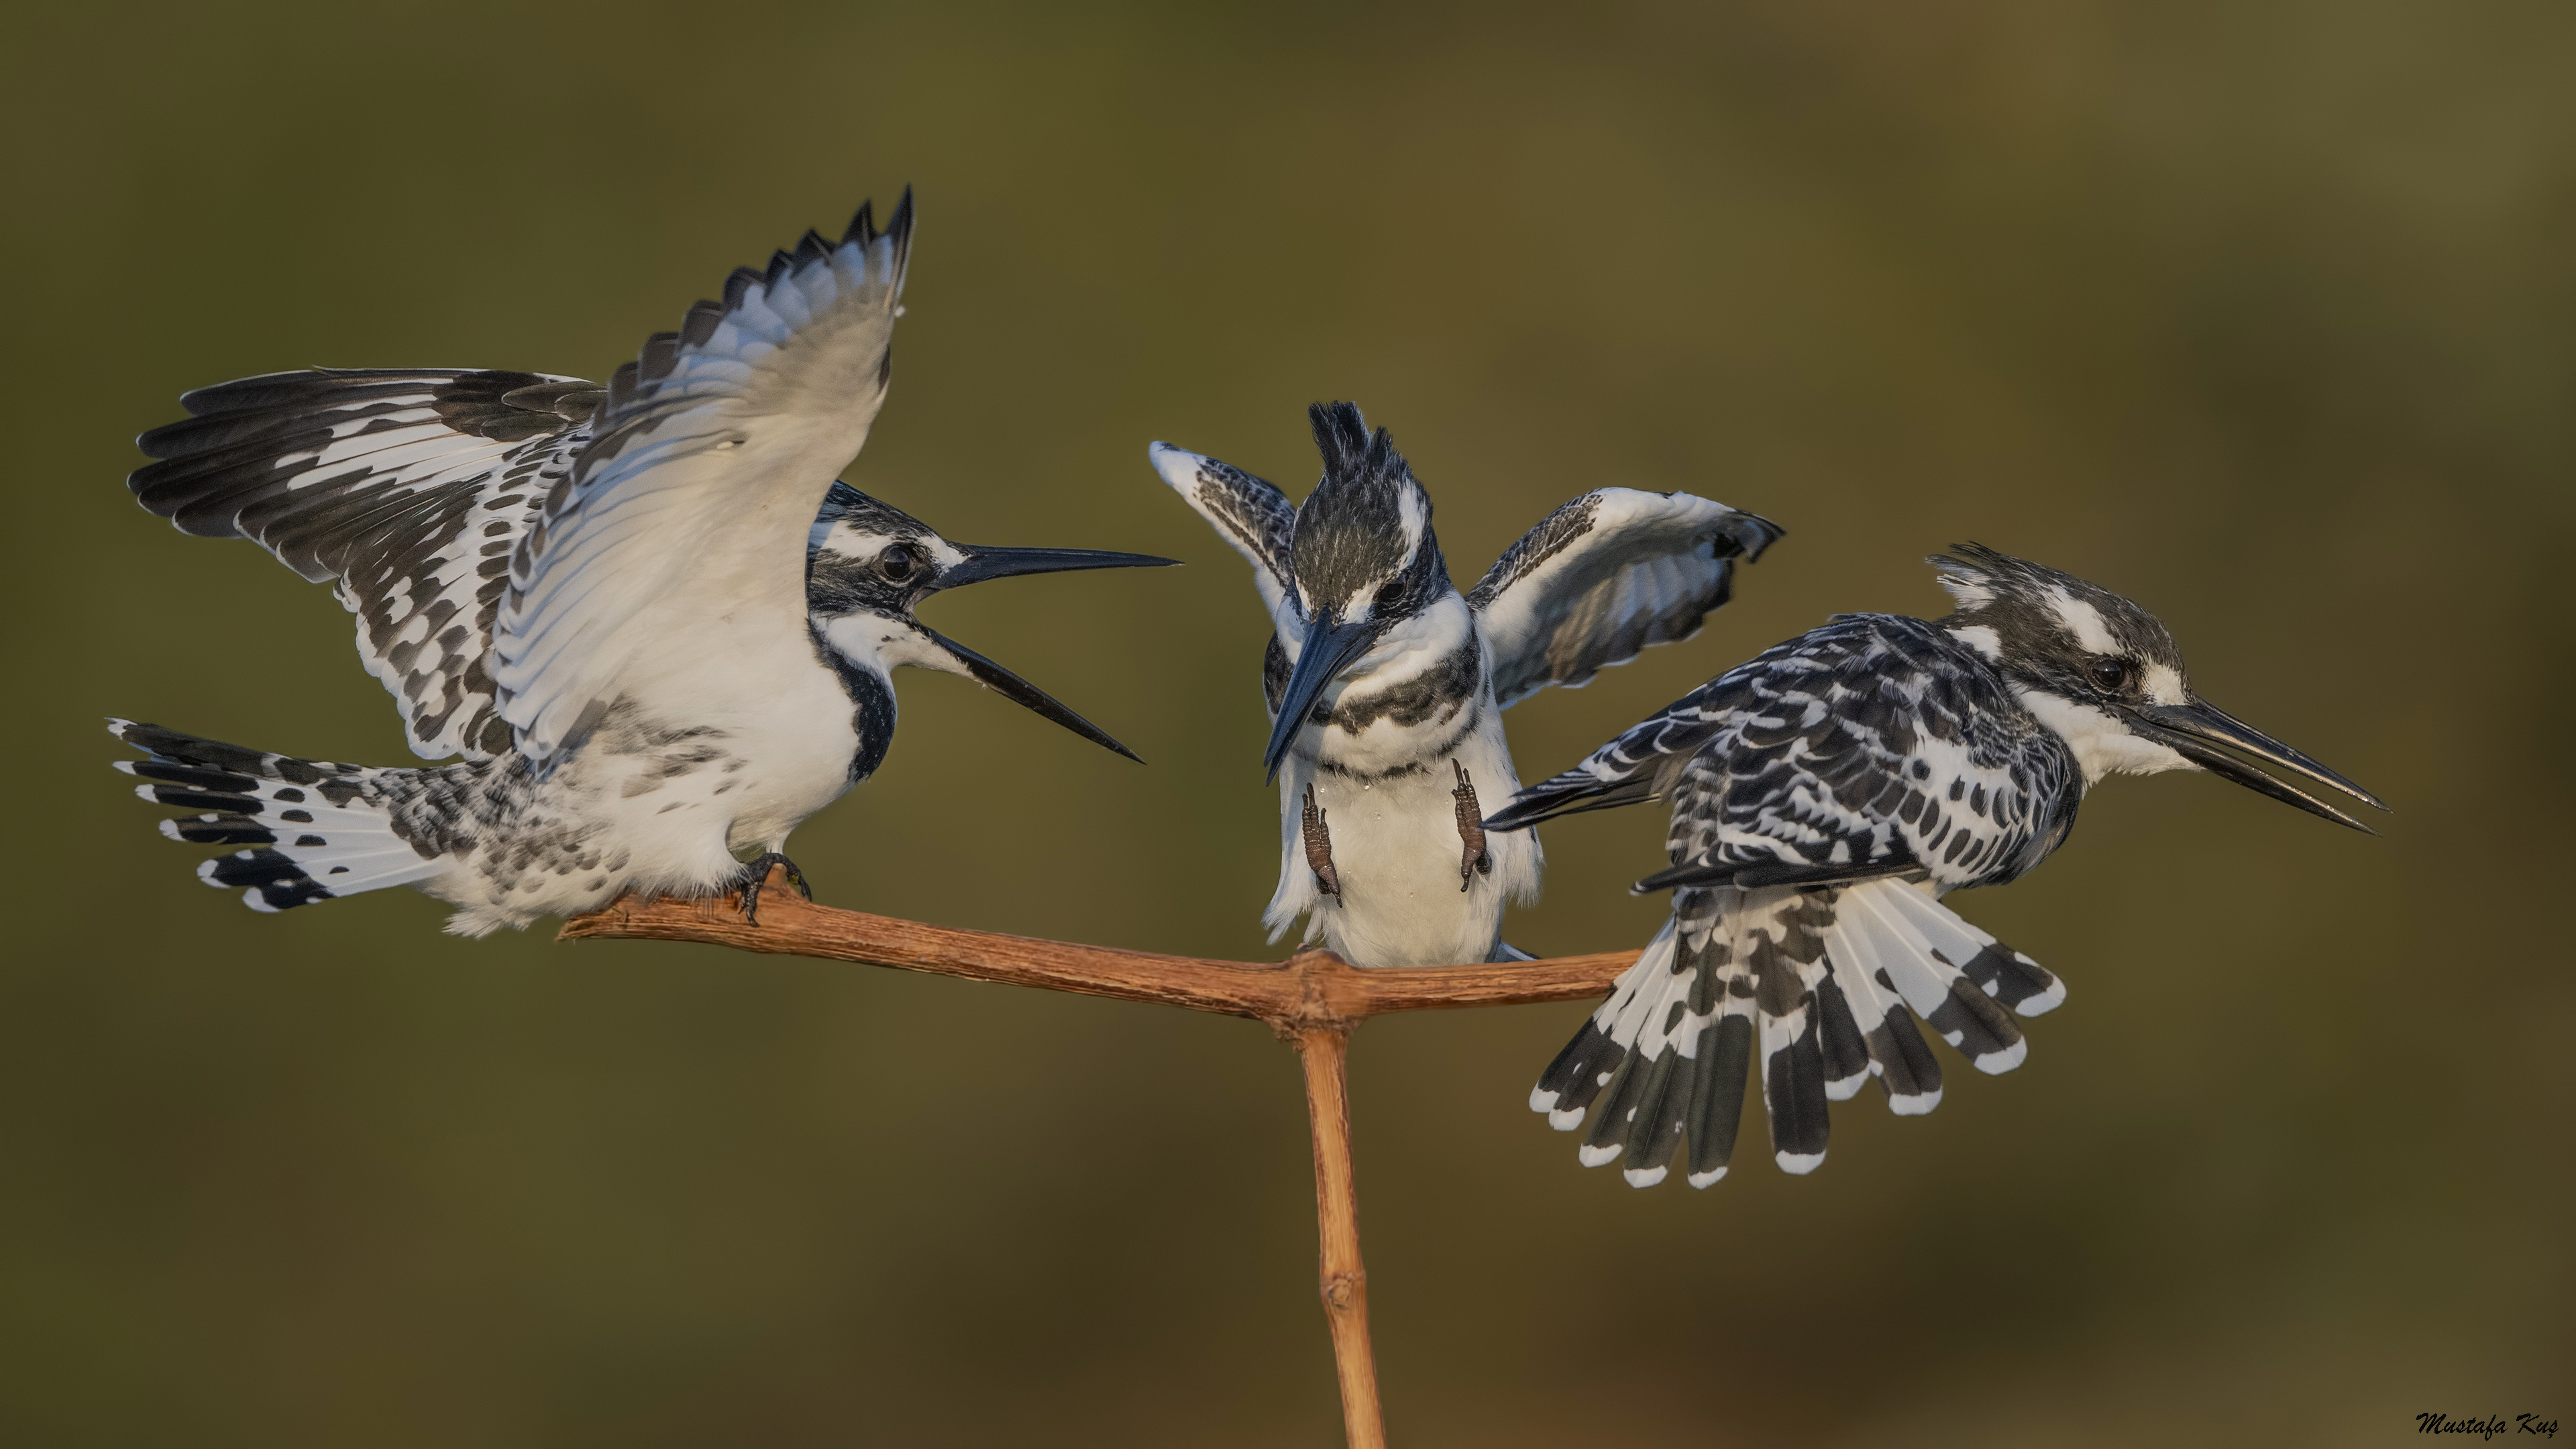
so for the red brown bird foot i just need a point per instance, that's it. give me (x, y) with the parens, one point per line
(1474, 859)
(1319, 849)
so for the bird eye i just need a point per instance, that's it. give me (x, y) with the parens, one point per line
(898, 563)
(2111, 675)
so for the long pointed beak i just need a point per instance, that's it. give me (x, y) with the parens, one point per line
(1329, 649)
(1019, 691)
(2197, 731)
(984, 563)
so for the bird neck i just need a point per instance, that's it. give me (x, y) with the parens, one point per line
(861, 650)
(880, 643)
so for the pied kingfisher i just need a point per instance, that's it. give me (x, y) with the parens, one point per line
(1404, 679)
(656, 628)
(1824, 797)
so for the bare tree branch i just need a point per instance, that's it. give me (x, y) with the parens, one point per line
(1314, 1000)
(1309, 989)
(1344, 1282)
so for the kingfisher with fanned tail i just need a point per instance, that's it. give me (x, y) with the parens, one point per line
(649, 618)
(1386, 686)
(1825, 796)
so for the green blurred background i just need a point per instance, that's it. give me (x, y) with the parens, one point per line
(2265, 315)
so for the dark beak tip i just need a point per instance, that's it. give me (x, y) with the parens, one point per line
(986, 562)
(2195, 728)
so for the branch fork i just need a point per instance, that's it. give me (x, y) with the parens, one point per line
(1314, 1000)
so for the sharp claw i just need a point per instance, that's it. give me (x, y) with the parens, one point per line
(755, 876)
(1474, 859)
(1319, 849)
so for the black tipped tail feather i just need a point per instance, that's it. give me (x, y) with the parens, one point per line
(1814, 991)
(310, 829)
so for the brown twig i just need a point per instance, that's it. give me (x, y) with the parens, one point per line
(1314, 1000)
(1344, 1281)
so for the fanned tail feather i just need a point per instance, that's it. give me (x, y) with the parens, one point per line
(1827, 984)
(315, 829)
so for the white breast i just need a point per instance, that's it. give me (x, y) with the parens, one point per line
(1398, 854)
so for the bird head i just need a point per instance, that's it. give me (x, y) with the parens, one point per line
(868, 565)
(2105, 675)
(1365, 559)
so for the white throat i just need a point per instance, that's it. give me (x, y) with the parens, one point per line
(1420, 643)
(880, 645)
(2102, 744)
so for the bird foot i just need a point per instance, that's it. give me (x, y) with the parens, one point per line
(1319, 849)
(1473, 859)
(755, 874)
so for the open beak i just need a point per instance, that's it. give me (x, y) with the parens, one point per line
(2203, 734)
(984, 563)
(1329, 649)
(1019, 691)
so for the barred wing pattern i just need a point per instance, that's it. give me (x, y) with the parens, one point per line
(1247, 512)
(1607, 575)
(1875, 745)
(1823, 795)
(408, 488)
(714, 451)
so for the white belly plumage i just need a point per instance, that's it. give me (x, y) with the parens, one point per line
(647, 808)
(1397, 852)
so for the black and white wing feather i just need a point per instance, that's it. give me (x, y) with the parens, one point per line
(1614, 572)
(1873, 746)
(407, 488)
(1822, 795)
(1247, 512)
(691, 507)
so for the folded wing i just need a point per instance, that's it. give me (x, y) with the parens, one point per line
(714, 450)
(407, 488)
(1614, 572)
(1856, 751)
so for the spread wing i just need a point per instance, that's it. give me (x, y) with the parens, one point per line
(1860, 749)
(1246, 512)
(1613, 572)
(690, 509)
(406, 488)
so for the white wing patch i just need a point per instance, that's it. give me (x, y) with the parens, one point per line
(1247, 512)
(714, 452)
(1610, 574)
(406, 488)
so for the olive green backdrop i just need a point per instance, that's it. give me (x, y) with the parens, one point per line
(2265, 315)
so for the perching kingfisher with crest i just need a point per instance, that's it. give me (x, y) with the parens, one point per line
(657, 629)
(1386, 685)
(1824, 797)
